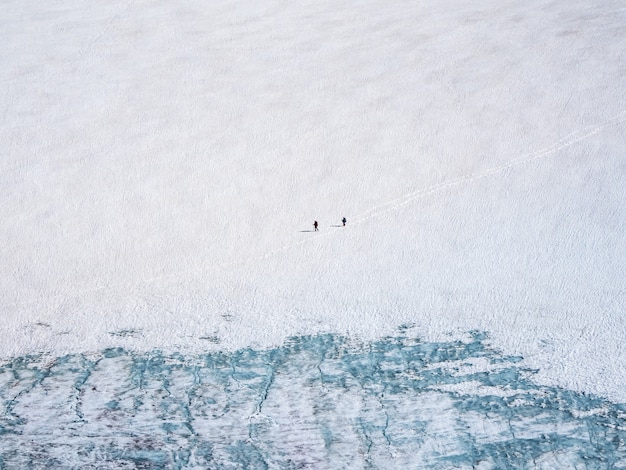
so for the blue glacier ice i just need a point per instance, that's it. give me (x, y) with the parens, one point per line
(318, 402)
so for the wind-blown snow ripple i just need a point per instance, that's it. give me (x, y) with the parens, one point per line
(315, 402)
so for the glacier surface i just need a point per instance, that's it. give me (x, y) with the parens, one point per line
(322, 401)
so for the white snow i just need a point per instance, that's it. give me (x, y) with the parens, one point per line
(162, 164)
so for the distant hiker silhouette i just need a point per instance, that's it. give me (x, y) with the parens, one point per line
(315, 226)
(343, 221)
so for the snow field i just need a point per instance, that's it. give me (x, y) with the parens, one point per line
(162, 164)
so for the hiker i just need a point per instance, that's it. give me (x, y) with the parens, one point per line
(315, 226)
(343, 221)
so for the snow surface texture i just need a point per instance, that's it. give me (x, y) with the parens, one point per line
(316, 402)
(162, 164)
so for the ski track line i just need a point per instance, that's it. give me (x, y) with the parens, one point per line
(526, 158)
(394, 204)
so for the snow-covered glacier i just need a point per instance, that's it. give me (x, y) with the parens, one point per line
(314, 402)
(166, 303)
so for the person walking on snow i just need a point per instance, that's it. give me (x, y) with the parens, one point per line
(315, 226)
(343, 221)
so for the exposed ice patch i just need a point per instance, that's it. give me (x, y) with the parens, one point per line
(315, 402)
